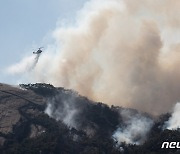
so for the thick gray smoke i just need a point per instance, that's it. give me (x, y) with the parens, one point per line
(121, 52)
(135, 130)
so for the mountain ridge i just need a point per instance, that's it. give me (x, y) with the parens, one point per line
(73, 124)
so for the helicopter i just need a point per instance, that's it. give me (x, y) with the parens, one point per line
(38, 51)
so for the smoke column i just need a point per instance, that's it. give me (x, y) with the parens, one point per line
(174, 121)
(64, 111)
(120, 52)
(136, 129)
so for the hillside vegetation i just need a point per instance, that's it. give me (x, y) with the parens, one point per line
(74, 125)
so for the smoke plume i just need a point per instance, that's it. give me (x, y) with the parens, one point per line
(121, 52)
(64, 111)
(174, 121)
(135, 129)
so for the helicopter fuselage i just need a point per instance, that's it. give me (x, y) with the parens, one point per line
(37, 52)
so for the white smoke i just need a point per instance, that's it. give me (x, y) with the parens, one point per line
(135, 130)
(174, 121)
(63, 110)
(24, 66)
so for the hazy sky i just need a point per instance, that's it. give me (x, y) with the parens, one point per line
(25, 23)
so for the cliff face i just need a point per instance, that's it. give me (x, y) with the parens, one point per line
(39, 118)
